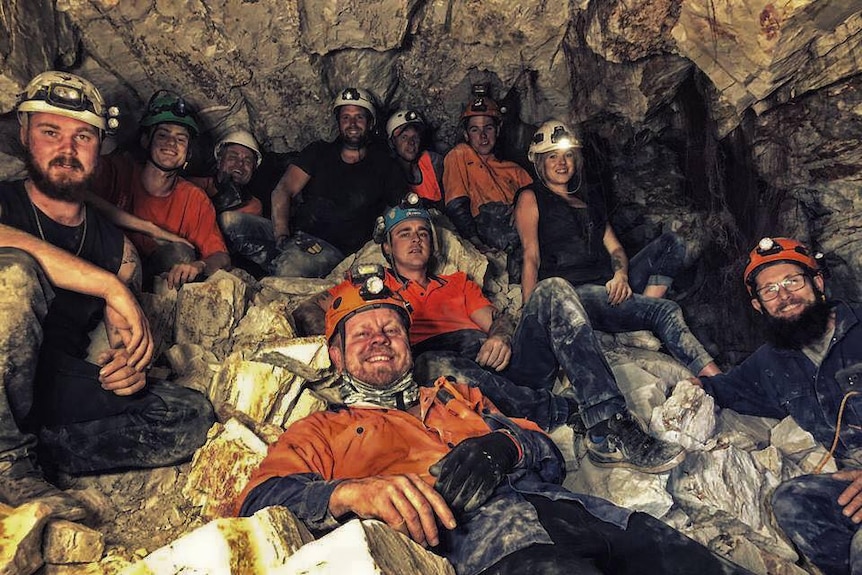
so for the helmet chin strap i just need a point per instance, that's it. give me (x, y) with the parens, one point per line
(169, 171)
(401, 394)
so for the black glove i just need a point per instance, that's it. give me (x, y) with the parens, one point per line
(228, 195)
(468, 474)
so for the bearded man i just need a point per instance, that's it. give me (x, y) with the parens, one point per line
(63, 268)
(809, 369)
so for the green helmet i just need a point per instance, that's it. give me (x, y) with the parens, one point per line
(166, 107)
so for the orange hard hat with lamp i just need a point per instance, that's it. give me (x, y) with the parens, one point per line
(779, 250)
(365, 289)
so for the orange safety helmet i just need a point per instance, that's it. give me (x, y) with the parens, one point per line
(775, 250)
(361, 293)
(481, 105)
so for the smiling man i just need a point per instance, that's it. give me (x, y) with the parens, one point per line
(63, 268)
(155, 192)
(441, 465)
(423, 168)
(324, 206)
(239, 213)
(458, 331)
(480, 188)
(810, 369)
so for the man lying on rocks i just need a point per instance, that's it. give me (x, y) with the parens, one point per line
(811, 369)
(63, 267)
(459, 332)
(442, 465)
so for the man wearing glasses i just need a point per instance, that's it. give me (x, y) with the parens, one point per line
(325, 205)
(810, 368)
(63, 268)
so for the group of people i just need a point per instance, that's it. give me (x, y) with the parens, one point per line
(450, 449)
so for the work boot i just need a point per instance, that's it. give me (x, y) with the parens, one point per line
(21, 482)
(627, 445)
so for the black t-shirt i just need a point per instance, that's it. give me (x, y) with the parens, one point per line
(72, 316)
(341, 201)
(571, 242)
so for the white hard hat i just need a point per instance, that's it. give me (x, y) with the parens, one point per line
(355, 97)
(67, 95)
(241, 137)
(403, 118)
(552, 135)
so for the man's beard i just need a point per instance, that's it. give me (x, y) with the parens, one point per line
(355, 143)
(807, 328)
(65, 191)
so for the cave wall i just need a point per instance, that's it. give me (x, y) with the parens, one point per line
(724, 120)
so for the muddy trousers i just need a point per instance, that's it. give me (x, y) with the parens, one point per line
(80, 427)
(807, 510)
(586, 545)
(553, 333)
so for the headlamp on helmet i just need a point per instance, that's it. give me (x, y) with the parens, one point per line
(403, 118)
(364, 289)
(409, 208)
(166, 107)
(779, 250)
(552, 135)
(67, 95)
(481, 104)
(355, 97)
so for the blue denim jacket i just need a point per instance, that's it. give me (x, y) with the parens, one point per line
(776, 383)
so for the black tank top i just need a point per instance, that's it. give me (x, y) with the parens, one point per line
(72, 316)
(571, 239)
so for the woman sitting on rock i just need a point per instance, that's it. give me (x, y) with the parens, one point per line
(565, 232)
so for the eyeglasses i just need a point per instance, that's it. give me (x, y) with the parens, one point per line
(791, 283)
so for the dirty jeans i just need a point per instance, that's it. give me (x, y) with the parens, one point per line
(250, 236)
(306, 256)
(81, 427)
(807, 510)
(656, 264)
(586, 545)
(553, 332)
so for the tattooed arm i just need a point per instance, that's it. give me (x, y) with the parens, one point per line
(618, 287)
(117, 373)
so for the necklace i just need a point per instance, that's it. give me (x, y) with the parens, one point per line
(42, 232)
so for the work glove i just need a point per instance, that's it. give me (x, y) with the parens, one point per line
(228, 195)
(468, 475)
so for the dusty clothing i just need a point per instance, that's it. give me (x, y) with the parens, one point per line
(186, 212)
(57, 397)
(309, 460)
(430, 184)
(73, 315)
(466, 174)
(571, 239)
(776, 383)
(341, 201)
(527, 520)
(246, 232)
(575, 254)
(251, 204)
